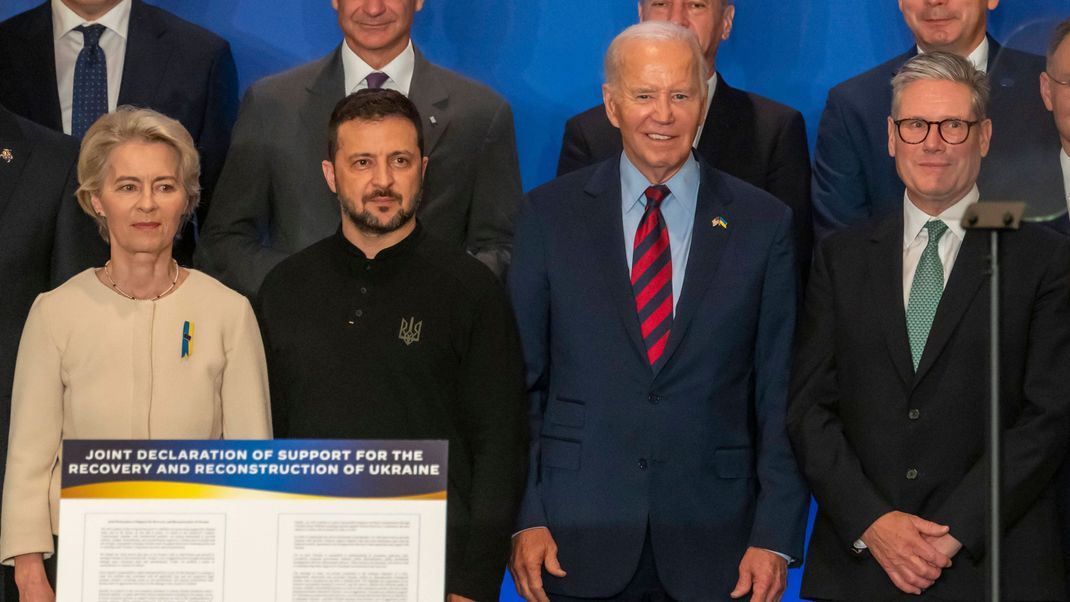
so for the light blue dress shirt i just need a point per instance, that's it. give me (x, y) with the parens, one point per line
(678, 210)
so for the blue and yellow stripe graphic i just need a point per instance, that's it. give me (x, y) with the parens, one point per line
(187, 339)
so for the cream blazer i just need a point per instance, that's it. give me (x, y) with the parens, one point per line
(95, 365)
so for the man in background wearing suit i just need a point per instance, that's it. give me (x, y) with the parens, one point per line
(44, 239)
(1055, 91)
(745, 135)
(273, 200)
(853, 176)
(656, 301)
(889, 394)
(66, 62)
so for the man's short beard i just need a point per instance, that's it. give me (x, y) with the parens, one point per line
(367, 222)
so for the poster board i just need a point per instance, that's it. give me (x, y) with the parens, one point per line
(232, 521)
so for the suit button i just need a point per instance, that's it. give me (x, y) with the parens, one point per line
(364, 290)
(359, 313)
(913, 414)
(642, 463)
(654, 398)
(912, 474)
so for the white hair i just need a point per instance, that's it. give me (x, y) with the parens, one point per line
(654, 31)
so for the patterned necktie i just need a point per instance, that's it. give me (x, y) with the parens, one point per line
(376, 80)
(90, 81)
(925, 291)
(652, 275)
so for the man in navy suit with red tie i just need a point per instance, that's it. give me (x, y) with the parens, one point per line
(656, 299)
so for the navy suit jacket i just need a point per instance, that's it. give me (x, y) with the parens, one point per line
(696, 446)
(171, 66)
(854, 178)
(755, 139)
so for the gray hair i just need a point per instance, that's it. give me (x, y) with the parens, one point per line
(943, 66)
(1061, 31)
(653, 31)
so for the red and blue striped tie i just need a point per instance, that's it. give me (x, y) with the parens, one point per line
(652, 275)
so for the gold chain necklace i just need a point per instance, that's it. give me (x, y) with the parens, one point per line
(114, 285)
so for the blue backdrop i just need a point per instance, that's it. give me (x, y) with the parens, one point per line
(545, 56)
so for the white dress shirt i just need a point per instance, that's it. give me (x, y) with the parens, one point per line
(1064, 162)
(398, 71)
(711, 87)
(915, 236)
(68, 43)
(978, 58)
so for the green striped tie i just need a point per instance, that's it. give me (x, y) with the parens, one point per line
(925, 292)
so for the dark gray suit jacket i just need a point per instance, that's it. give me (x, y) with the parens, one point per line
(272, 200)
(44, 236)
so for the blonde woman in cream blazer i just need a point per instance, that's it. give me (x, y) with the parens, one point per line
(137, 349)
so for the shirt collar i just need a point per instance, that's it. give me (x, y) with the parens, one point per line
(1064, 162)
(398, 70)
(914, 219)
(683, 186)
(711, 88)
(64, 20)
(978, 58)
(402, 248)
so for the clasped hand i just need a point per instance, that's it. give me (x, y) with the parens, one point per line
(911, 550)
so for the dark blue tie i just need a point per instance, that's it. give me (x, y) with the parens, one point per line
(90, 81)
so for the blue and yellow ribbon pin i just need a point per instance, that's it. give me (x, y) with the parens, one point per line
(187, 339)
(719, 222)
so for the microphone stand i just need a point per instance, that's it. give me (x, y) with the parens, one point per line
(994, 217)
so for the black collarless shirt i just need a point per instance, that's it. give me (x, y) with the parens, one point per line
(418, 343)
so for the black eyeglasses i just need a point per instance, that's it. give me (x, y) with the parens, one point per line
(1057, 80)
(915, 131)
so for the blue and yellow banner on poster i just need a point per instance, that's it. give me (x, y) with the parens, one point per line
(293, 468)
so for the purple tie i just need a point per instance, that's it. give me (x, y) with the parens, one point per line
(376, 79)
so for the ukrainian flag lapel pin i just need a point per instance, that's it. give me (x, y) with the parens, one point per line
(719, 222)
(187, 339)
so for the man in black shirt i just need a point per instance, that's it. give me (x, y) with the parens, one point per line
(383, 332)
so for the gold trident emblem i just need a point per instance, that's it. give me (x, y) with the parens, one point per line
(410, 331)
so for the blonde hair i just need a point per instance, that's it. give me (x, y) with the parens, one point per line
(131, 124)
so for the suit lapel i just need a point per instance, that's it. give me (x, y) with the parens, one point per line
(715, 129)
(146, 59)
(13, 140)
(885, 275)
(40, 71)
(727, 138)
(707, 246)
(604, 223)
(431, 98)
(323, 91)
(967, 275)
